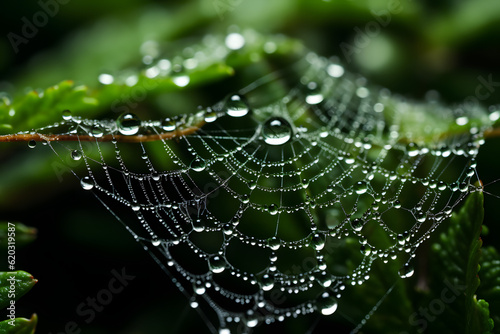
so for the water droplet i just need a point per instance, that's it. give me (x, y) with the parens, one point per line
(66, 115)
(276, 131)
(198, 165)
(273, 209)
(314, 96)
(198, 225)
(252, 321)
(267, 282)
(335, 70)
(252, 185)
(210, 116)
(76, 155)
(193, 302)
(361, 187)
(318, 241)
(128, 124)
(168, 125)
(97, 131)
(406, 271)
(199, 287)
(413, 149)
(327, 304)
(235, 41)
(181, 81)
(156, 243)
(87, 183)
(237, 106)
(357, 224)
(217, 264)
(224, 331)
(32, 144)
(274, 243)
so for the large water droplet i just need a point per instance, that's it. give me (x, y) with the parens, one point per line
(357, 224)
(267, 282)
(360, 187)
(406, 271)
(237, 106)
(87, 183)
(198, 165)
(274, 243)
(314, 96)
(276, 131)
(198, 225)
(327, 304)
(32, 144)
(217, 264)
(76, 155)
(318, 241)
(168, 125)
(199, 287)
(97, 131)
(128, 124)
(66, 115)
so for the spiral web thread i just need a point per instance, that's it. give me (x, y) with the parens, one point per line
(271, 210)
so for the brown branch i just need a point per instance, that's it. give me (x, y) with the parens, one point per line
(24, 137)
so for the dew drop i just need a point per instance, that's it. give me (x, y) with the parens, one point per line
(318, 241)
(181, 81)
(199, 288)
(406, 271)
(235, 41)
(193, 302)
(273, 209)
(217, 264)
(168, 125)
(315, 96)
(357, 224)
(66, 115)
(128, 124)
(32, 144)
(267, 282)
(76, 155)
(198, 164)
(97, 131)
(237, 106)
(156, 243)
(198, 225)
(210, 117)
(327, 304)
(276, 131)
(252, 321)
(360, 187)
(274, 243)
(87, 183)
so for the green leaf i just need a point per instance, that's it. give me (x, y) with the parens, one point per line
(19, 325)
(13, 285)
(490, 283)
(23, 234)
(455, 262)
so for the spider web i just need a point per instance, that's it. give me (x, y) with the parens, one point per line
(267, 206)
